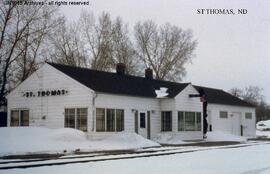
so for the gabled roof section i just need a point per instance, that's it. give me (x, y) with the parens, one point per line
(218, 96)
(113, 83)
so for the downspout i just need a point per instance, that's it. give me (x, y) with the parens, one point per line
(95, 95)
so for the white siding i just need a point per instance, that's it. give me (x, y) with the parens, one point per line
(184, 103)
(79, 96)
(52, 107)
(221, 124)
(129, 103)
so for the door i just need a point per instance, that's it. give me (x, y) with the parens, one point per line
(148, 125)
(209, 121)
(236, 123)
(142, 124)
(3, 119)
(136, 126)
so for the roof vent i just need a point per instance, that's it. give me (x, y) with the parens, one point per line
(120, 68)
(162, 93)
(149, 73)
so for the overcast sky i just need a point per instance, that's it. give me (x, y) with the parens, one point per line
(233, 50)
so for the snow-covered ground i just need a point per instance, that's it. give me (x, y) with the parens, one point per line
(29, 140)
(22, 140)
(222, 136)
(166, 138)
(244, 160)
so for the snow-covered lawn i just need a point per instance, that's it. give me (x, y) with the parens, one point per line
(22, 140)
(244, 160)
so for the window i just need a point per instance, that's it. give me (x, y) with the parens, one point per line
(198, 121)
(14, 119)
(248, 115)
(142, 120)
(181, 121)
(100, 120)
(76, 118)
(70, 118)
(119, 120)
(19, 118)
(81, 123)
(189, 121)
(223, 114)
(109, 120)
(166, 121)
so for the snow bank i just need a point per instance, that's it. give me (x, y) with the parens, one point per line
(125, 140)
(222, 136)
(168, 138)
(23, 140)
(262, 134)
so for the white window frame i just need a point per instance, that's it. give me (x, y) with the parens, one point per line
(115, 122)
(223, 112)
(19, 110)
(184, 119)
(170, 123)
(76, 117)
(250, 115)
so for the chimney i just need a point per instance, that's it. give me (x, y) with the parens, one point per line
(120, 68)
(148, 73)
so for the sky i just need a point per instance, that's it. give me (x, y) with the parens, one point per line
(232, 51)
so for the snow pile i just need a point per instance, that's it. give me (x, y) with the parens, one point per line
(23, 140)
(263, 125)
(168, 138)
(125, 140)
(222, 136)
(262, 134)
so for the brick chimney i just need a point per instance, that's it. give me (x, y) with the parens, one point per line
(120, 68)
(148, 73)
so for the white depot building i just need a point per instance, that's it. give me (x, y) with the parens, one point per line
(102, 103)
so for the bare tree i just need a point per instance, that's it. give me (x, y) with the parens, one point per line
(123, 51)
(67, 46)
(97, 37)
(22, 29)
(253, 95)
(165, 49)
(236, 92)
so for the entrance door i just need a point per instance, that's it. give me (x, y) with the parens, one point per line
(136, 125)
(236, 123)
(209, 121)
(3, 119)
(142, 123)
